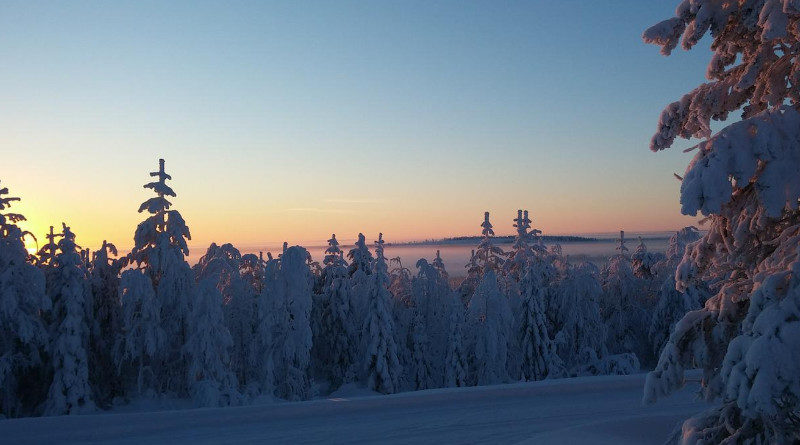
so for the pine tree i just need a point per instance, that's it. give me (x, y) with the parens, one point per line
(159, 250)
(381, 366)
(23, 335)
(744, 179)
(70, 392)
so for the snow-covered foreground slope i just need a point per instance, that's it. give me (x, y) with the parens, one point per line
(592, 410)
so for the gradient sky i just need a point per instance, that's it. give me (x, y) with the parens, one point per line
(291, 120)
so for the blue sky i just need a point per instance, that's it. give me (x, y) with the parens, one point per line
(296, 119)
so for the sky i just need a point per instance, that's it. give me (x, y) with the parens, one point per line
(293, 120)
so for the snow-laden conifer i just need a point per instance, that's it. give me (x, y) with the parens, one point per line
(744, 179)
(223, 264)
(23, 335)
(106, 323)
(431, 300)
(211, 381)
(381, 367)
(456, 365)
(334, 349)
(538, 356)
(69, 289)
(489, 328)
(293, 341)
(159, 250)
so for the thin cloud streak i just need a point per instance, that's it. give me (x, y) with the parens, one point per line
(354, 200)
(317, 210)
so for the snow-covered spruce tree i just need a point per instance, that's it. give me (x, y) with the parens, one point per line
(645, 263)
(106, 322)
(334, 327)
(672, 304)
(270, 325)
(381, 367)
(360, 257)
(431, 304)
(621, 247)
(224, 264)
(456, 366)
(211, 381)
(489, 329)
(159, 250)
(359, 270)
(539, 358)
(744, 179)
(526, 245)
(418, 370)
(140, 349)
(575, 315)
(47, 253)
(623, 308)
(23, 335)
(438, 264)
(488, 255)
(471, 280)
(69, 289)
(293, 351)
(402, 313)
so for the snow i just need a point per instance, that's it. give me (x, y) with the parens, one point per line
(594, 410)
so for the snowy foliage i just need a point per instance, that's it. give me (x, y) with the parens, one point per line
(487, 255)
(105, 322)
(489, 328)
(334, 328)
(69, 290)
(381, 366)
(159, 250)
(22, 298)
(292, 339)
(745, 179)
(625, 309)
(574, 314)
(539, 358)
(208, 345)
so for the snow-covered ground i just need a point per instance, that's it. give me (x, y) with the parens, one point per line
(595, 410)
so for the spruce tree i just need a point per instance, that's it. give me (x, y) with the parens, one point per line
(744, 180)
(106, 323)
(159, 251)
(70, 391)
(23, 335)
(381, 365)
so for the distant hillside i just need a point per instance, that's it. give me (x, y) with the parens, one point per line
(499, 239)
